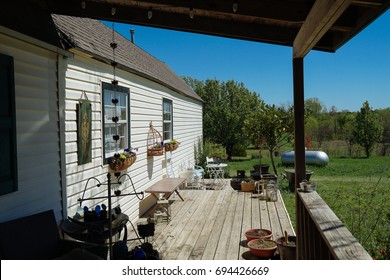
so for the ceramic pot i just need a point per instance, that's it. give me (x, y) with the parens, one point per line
(262, 248)
(258, 233)
(287, 251)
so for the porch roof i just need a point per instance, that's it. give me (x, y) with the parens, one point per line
(327, 25)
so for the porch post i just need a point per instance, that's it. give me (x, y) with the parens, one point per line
(299, 108)
(299, 140)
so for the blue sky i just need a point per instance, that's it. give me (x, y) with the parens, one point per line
(358, 71)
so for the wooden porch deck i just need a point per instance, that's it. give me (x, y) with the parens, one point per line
(210, 224)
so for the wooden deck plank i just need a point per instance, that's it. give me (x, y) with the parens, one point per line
(275, 223)
(200, 245)
(226, 221)
(192, 217)
(264, 215)
(233, 249)
(200, 222)
(173, 230)
(247, 223)
(210, 224)
(212, 243)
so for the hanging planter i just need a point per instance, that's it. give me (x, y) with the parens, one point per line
(171, 145)
(155, 142)
(122, 161)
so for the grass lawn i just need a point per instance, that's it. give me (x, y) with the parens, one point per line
(357, 190)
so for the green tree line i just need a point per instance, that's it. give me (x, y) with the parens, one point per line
(236, 117)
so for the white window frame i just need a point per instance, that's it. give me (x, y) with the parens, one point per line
(111, 128)
(167, 133)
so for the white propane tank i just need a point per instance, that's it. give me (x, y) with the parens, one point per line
(316, 158)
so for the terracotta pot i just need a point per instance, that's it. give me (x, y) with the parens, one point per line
(287, 251)
(262, 248)
(258, 233)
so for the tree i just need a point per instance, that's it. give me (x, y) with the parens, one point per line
(226, 106)
(345, 122)
(272, 127)
(368, 129)
(314, 107)
(384, 115)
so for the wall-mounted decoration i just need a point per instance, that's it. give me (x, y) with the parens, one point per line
(155, 142)
(84, 130)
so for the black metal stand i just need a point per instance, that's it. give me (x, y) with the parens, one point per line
(109, 183)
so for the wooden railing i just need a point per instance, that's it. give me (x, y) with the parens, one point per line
(320, 233)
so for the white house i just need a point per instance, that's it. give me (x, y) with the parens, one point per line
(47, 71)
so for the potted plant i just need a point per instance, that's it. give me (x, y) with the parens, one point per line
(287, 247)
(121, 161)
(258, 233)
(171, 145)
(262, 248)
(248, 186)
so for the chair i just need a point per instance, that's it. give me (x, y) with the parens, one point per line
(188, 174)
(209, 160)
(199, 176)
(37, 237)
(193, 176)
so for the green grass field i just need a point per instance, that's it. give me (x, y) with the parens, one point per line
(357, 190)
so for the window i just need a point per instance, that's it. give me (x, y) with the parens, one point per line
(122, 127)
(167, 120)
(8, 160)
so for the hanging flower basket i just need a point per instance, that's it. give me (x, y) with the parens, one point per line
(171, 146)
(155, 142)
(122, 161)
(155, 152)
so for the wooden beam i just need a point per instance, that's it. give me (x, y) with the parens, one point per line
(320, 19)
(299, 137)
(299, 119)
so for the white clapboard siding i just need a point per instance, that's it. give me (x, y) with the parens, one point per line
(146, 97)
(37, 121)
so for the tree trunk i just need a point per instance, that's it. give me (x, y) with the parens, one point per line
(271, 152)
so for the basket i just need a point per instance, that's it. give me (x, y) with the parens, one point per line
(155, 142)
(119, 165)
(155, 152)
(171, 147)
(248, 186)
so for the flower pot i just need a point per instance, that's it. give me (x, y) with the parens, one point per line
(248, 186)
(117, 165)
(235, 183)
(258, 233)
(155, 152)
(287, 251)
(145, 229)
(262, 168)
(262, 248)
(170, 147)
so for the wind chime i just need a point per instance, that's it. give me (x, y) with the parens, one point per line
(116, 158)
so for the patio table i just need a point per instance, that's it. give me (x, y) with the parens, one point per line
(216, 171)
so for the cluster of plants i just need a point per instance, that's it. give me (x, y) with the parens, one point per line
(364, 207)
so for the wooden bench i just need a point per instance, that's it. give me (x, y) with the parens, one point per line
(166, 186)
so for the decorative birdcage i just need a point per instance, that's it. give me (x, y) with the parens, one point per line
(155, 142)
